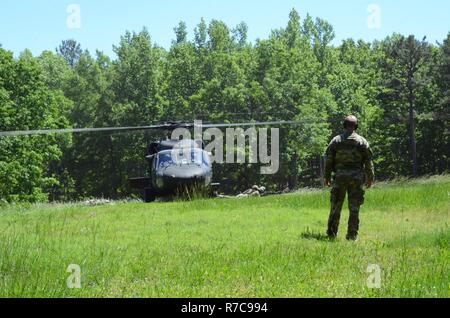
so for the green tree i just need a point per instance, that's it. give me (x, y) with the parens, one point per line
(240, 34)
(293, 29)
(404, 78)
(27, 103)
(180, 33)
(433, 150)
(201, 34)
(70, 50)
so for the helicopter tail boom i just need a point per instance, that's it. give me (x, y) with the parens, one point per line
(139, 183)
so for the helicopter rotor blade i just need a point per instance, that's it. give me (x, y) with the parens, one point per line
(78, 130)
(166, 126)
(265, 123)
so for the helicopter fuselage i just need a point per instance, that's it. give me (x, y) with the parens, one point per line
(175, 167)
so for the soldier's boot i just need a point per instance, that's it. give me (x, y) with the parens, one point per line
(337, 199)
(333, 225)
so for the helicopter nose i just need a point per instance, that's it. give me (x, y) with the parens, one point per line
(183, 174)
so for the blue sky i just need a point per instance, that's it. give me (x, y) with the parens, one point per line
(42, 24)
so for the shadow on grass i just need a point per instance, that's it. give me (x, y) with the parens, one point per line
(309, 234)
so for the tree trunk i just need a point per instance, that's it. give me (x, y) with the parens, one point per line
(411, 124)
(412, 139)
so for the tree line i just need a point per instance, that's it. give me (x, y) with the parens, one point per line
(398, 87)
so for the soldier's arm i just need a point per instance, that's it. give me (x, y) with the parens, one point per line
(330, 156)
(368, 164)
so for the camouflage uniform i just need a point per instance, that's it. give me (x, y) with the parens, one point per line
(350, 158)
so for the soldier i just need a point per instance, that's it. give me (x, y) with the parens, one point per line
(349, 157)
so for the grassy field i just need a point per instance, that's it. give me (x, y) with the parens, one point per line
(258, 247)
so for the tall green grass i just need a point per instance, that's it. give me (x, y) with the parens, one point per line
(256, 247)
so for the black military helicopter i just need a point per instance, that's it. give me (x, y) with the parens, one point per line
(174, 165)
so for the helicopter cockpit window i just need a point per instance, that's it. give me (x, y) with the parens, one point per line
(196, 156)
(164, 159)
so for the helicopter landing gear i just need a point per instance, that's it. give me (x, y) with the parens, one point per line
(149, 196)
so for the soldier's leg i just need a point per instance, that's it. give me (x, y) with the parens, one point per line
(336, 200)
(355, 200)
